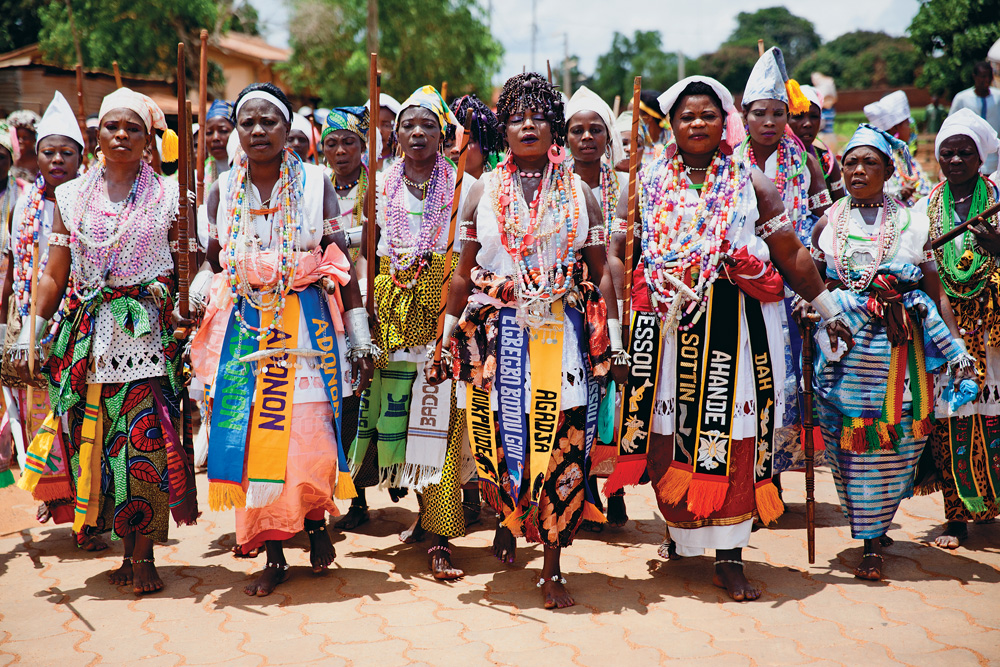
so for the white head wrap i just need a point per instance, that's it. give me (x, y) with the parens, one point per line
(968, 123)
(143, 105)
(59, 119)
(813, 95)
(266, 96)
(584, 99)
(302, 124)
(624, 122)
(889, 111)
(233, 145)
(734, 124)
(388, 102)
(767, 80)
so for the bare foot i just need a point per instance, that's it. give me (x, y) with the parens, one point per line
(89, 542)
(269, 578)
(122, 575)
(321, 551)
(414, 534)
(145, 579)
(953, 534)
(439, 558)
(504, 545)
(886, 541)
(870, 567)
(668, 550)
(240, 551)
(730, 576)
(356, 516)
(556, 595)
(617, 514)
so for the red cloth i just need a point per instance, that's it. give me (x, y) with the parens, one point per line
(757, 279)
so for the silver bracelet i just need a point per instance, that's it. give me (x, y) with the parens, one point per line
(359, 337)
(826, 305)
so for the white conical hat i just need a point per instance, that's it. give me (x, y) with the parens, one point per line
(767, 80)
(59, 119)
(889, 111)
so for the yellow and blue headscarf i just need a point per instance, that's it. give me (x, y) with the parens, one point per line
(220, 109)
(352, 119)
(428, 97)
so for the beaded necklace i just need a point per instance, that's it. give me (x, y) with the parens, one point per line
(532, 234)
(789, 177)
(28, 232)
(963, 274)
(245, 248)
(610, 191)
(359, 198)
(680, 253)
(857, 278)
(109, 227)
(407, 250)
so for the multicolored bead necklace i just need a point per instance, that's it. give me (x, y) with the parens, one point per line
(789, 177)
(682, 241)
(27, 234)
(532, 234)
(405, 251)
(857, 278)
(244, 247)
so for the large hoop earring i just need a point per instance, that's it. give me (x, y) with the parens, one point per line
(556, 154)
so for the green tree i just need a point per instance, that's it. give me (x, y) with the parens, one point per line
(19, 24)
(141, 37)
(794, 35)
(953, 35)
(242, 18)
(863, 59)
(731, 65)
(420, 43)
(642, 55)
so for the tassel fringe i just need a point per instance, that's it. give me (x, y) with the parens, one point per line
(345, 489)
(675, 483)
(706, 495)
(225, 495)
(591, 513)
(262, 494)
(976, 505)
(769, 505)
(798, 103)
(6, 478)
(170, 146)
(626, 473)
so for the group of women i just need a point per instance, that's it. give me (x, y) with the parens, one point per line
(502, 361)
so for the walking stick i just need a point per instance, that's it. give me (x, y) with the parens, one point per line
(118, 74)
(32, 311)
(181, 260)
(81, 112)
(633, 175)
(202, 110)
(618, 105)
(807, 328)
(960, 229)
(463, 154)
(444, 91)
(370, 205)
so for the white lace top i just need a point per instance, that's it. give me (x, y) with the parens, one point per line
(143, 255)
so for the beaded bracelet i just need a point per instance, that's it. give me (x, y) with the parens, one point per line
(817, 254)
(773, 225)
(839, 185)
(174, 246)
(331, 226)
(595, 236)
(819, 200)
(619, 225)
(467, 231)
(59, 240)
(928, 256)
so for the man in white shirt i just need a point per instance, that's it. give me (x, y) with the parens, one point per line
(984, 100)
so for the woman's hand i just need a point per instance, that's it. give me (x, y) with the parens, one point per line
(27, 377)
(436, 373)
(837, 331)
(619, 373)
(803, 311)
(988, 238)
(363, 370)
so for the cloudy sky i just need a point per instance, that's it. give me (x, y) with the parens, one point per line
(692, 26)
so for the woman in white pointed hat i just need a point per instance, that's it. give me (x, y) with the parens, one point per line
(59, 144)
(891, 114)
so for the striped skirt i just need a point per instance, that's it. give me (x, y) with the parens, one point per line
(870, 486)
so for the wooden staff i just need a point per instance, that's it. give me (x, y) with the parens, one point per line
(444, 91)
(760, 48)
(202, 111)
(633, 174)
(371, 195)
(463, 154)
(618, 105)
(118, 74)
(32, 312)
(183, 159)
(548, 66)
(807, 328)
(81, 112)
(960, 229)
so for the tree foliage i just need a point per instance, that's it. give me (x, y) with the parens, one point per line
(953, 35)
(794, 35)
(642, 55)
(142, 37)
(864, 59)
(731, 65)
(19, 24)
(419, 43)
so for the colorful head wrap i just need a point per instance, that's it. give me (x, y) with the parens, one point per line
(143, 105)
(352, 119)
(59, 119)
(869, 135)
(428, 97)
(769, 81)
(220, 109)
(584, 99)
(25, 118)
(889, 111)
(8, 139)
(967, 122)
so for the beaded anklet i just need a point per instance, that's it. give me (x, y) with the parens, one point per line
(555, 578)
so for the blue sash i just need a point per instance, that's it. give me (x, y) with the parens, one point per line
(324, 338)
(511, 385)
(234, 390)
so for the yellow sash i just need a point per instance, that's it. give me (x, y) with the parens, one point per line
(91, 440)
(271, 421)
(545, 351)
(38, 454)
